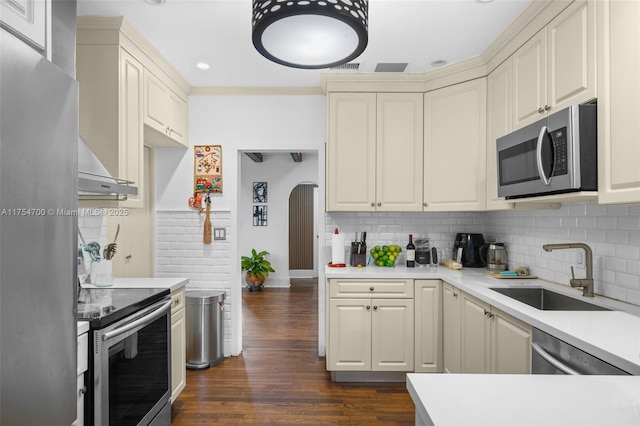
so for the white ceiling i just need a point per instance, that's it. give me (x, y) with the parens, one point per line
(418, 32)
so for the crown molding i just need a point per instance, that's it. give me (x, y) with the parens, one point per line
(255, 91)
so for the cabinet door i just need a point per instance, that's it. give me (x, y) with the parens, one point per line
(349, 335)
(475, 332)
(27, 19)
(178, 353)
(351, 152)
(428, 326)
(510, 344)
(178, 124)
(451, 326)
(399, 151)
(131, 131)
(499, 117)
(530, 80)
(157, 109)
(392, 335)
(455, 147)
(618, 102)
(572, 56)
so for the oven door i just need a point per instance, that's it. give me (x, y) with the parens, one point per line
(538, 159)
(132, 368)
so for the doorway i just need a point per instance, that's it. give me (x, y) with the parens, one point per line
(302, 231)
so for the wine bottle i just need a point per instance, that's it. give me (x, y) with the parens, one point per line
(411, 253)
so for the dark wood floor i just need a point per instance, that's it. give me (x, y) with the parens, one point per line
(279, 378)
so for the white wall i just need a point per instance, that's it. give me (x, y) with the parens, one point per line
(281, 175)
(239, 124)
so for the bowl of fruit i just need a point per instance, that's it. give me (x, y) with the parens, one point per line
(385, 255)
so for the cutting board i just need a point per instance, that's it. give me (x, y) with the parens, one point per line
(516, 277)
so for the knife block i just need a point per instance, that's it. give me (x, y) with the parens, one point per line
(358, 257)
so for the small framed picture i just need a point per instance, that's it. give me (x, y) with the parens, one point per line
(259, 192)
(259, 215)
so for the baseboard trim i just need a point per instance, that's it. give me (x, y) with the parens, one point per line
(369, 376)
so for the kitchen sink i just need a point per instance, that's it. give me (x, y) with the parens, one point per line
(547, 300)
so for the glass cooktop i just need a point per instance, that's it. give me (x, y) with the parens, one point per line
(104, 306)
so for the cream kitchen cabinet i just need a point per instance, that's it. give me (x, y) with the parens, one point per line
(110, 110)
(374, 152)
(455, 147)
(557, 67)
(618, 102)
(165, 113)
(492, 341)
(428, 326)
(178, 343)
(452, 341)
(499, 120)
(370, 325)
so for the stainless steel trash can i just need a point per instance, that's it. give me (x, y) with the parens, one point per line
(205, 328)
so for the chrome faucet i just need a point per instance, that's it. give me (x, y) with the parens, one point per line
(585, 283)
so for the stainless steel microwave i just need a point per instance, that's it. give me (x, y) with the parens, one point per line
(557, 154)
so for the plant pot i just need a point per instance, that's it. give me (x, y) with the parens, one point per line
(254, 281)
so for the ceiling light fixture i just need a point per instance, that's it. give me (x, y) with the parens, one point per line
(310, 34)
(203, 65)
(156, 2)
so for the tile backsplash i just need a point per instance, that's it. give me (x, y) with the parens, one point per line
(612, 232)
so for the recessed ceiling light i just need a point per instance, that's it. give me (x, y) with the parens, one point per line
(203, 65)
(156, 2)
(438, 63)
(484, 1)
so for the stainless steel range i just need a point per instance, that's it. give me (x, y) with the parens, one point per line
(129, 356)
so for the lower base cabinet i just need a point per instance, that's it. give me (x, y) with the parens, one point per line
(178, 344)
(374, 333)
(428, 326)
(491, 340)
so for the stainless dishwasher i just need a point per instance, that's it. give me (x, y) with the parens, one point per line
(551, 355)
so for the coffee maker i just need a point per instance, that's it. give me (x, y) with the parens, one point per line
(466, 250)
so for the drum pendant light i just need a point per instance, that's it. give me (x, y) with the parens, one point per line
(310, 34)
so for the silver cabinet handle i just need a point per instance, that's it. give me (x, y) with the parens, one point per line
(368, 307)
(371, 289)
(373, 204)
(379, 203)
(551, 360)
(375, 307)
(540, 110)
(547, 107)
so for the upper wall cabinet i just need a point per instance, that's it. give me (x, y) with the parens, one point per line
(499, 113)
(557, 67)
(165, 113)
(455, 147)
(110, 81)
(27, 19)
(618, 102)
(374, 152)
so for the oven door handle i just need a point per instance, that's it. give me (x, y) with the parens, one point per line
(546, 180)
(551, 360)
(149, 315)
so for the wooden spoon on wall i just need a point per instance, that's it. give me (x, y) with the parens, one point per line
(207, 222)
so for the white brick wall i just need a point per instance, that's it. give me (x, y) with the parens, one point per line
(612, 232)
(181, 253)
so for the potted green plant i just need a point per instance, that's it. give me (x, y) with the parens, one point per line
(257, 268)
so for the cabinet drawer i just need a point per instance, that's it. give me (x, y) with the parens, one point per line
(377, 288)
(177, 300)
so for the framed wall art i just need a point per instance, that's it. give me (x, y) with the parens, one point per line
(259, 192)
(207, 175)
(259, 215)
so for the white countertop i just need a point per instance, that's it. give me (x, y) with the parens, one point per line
(502, 399)
(613, 336)
(171, 283)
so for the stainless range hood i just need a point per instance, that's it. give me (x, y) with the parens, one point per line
(95, 180)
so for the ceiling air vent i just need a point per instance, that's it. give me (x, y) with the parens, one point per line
(391, 66)
(347, 66)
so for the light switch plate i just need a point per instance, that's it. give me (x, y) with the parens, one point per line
(219, 233)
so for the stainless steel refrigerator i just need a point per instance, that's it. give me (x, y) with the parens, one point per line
(38, 228)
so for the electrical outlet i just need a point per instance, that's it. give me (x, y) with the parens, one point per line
(219, 233)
